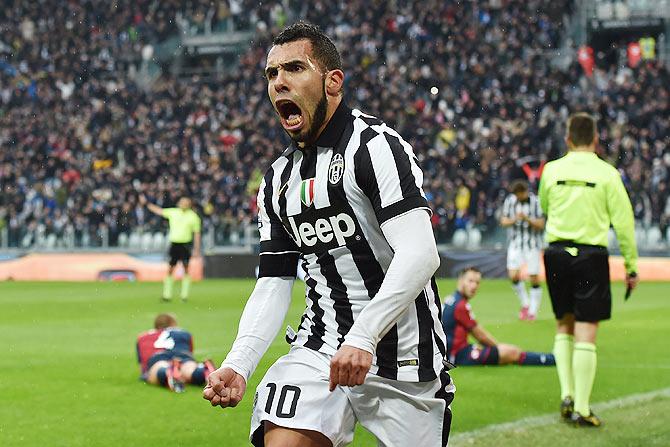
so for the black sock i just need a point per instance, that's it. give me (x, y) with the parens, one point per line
(537, 359)
(161, 375)
(198, 376)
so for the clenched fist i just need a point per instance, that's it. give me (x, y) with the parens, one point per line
(224, 387)
(349, 366)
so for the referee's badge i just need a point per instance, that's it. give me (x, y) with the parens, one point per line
(307, 192)
(336, 169)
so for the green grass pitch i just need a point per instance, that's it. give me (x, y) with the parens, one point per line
(68, 373)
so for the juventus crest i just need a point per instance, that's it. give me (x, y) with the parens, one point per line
(336, 169)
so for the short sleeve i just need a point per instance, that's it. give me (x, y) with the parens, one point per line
(507, 207)
(169, 213)
(538, 209)
(279, 254)
(388, 173)
(197, 223)
(543, 190)
(463, 315)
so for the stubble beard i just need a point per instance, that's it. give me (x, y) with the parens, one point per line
(310, 135)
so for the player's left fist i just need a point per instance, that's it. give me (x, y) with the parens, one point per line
(349, 366)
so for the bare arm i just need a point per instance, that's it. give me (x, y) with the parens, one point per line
(483, 336)
(506, 221)
(536, 224)
(196, 244)
(153, 208)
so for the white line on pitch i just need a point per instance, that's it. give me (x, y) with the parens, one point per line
(467, 438)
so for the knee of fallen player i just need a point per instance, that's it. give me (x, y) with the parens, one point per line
(508, 353)
(187, 370)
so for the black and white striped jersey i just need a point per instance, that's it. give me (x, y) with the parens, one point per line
(521, 236)
(326, 204)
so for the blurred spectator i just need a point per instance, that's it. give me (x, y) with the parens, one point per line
(474, 81)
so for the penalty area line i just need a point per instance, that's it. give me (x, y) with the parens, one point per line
(467, 438)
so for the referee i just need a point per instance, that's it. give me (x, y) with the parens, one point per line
(581, 195)
(184, 226)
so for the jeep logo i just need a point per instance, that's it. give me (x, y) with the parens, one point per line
(338, 227)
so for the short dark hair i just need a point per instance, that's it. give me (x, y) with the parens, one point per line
(470, 268)
(581, 129)
(324, 49)
(518, 186)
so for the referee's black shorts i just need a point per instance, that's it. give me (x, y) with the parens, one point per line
(180, 252)
(578, 278)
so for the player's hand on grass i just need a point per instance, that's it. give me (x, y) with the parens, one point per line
(224, 387)
(349, 366)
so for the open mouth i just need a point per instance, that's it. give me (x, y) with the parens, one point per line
(290, 113)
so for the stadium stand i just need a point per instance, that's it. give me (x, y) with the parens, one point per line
(471, 85)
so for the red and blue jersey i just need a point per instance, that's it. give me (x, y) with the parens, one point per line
(159, 340)
(457, 321)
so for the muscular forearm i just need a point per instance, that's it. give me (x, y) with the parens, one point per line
(506, 221)
(261, 320)
(196, 243)
(536, 224)
(155, 209)
(414, 262)
(483, 336)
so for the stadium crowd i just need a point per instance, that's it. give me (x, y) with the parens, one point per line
(473, 90)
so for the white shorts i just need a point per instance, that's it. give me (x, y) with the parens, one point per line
(516, 258)
(294, 394)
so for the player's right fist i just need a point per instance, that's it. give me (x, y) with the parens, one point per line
(224, 388)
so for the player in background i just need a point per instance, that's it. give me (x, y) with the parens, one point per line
(582, 195)
(165, 355)
(184, 226)
(459, 321)
(345, 197)
(522, 216)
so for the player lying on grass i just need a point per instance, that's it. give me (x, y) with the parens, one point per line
(165, 355)
(459, 321)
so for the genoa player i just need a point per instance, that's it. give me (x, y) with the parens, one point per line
(165, 355)
(459, 321)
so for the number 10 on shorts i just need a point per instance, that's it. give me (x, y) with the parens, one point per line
(283, 395)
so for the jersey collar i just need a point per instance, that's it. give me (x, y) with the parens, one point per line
(581, 154)
(335, 128)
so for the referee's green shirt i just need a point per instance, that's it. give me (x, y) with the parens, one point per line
(581, 195)
(183, 223)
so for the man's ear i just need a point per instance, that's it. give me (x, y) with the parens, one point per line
(334, 82)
